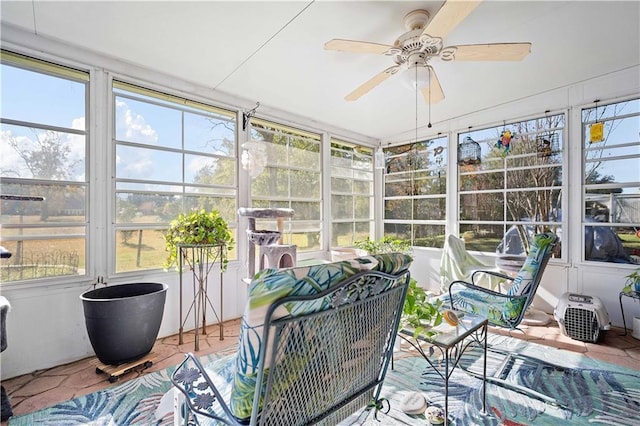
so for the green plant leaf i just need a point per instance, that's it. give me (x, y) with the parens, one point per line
(198, 228)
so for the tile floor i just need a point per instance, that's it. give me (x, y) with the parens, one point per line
(44, 388)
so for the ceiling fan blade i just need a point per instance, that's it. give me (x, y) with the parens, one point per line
(356, 46)
(436, 94)
(492, 52)
(371, 83)
(449, 16)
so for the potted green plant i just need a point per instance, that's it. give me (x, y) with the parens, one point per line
(198, 228)
(633, 282)
(383, 245)
(417, 312)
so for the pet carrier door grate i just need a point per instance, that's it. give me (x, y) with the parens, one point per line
(582, 317)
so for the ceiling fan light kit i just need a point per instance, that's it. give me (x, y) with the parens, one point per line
(423, 43)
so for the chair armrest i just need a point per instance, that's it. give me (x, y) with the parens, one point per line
(477, 288)
(200, 392)
(494, 273)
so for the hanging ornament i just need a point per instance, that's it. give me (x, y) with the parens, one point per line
(504, 143)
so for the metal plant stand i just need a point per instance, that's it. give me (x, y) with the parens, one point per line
(200, 259)
(633, 295)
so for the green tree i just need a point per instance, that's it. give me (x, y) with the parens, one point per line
(46, 156)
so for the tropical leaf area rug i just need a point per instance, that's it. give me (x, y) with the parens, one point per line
(528, 384)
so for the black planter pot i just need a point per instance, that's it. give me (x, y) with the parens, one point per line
(123, 321)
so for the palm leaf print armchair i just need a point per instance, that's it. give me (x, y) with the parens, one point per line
(314, 347)
(506, 309)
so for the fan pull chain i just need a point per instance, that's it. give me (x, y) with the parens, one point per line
(416, 67)
(429, 106)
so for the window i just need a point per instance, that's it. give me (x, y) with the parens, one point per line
(351, 193)
(514, 188)
(43, 166)
(611, 171)
(172, 155)
(415, 187)
(291, 179)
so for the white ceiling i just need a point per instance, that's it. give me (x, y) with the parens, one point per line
(272, 52)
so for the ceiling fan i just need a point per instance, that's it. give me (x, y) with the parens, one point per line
(422, 42)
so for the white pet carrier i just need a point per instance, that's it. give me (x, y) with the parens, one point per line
(582, 317)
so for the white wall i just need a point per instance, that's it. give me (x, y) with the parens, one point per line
(46, 327)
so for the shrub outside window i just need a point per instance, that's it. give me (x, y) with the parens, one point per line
(611, 173)
(515, 189)
(415, 188)
(43, 166)
(172, 156)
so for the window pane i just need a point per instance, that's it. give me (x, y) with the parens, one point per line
(341, 185)
(363, 230)
(188, 149)
(481, 181)
(61, 204)
(430, 209)
(305, 184)
(145, 123)
(43, 253)
(209, 134)
(306, 211)
(398, 209)
(139, 249)
(341, 234)
(25, 99)
(210, 170)
(612, 183)
(291, 179)
(519, 162)
(148, 164)
(398, 184)
(428, 236)
(225, 205)
(48, 234)
(42, 154)
(352, 193)
(416, 169)
(611, 243)
(363, 208)
(482, 237)
(620, 170)
(363, 187)
(547, 205)
(398, 231)
(342, 206)
(482, 206)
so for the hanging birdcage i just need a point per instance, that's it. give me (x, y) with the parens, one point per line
(547, 145)
(469, 152)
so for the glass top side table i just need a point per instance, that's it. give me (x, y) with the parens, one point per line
(451, 342)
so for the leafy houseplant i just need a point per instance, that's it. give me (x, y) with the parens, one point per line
(633, 282)
(383, 245)
(417, 312)
(198, 228)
